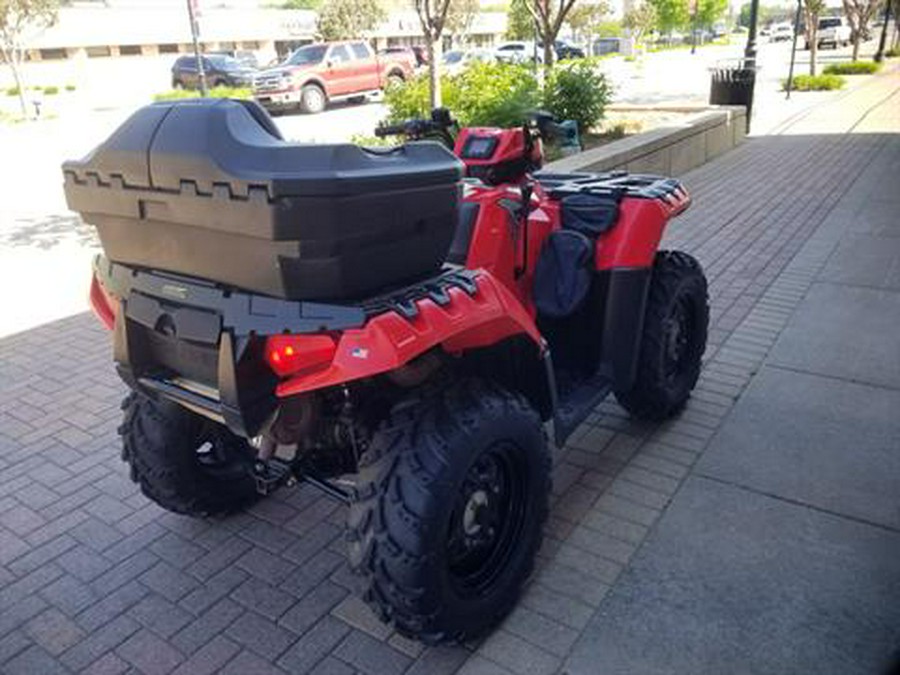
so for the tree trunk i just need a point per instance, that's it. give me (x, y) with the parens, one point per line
(548, 51)
(857, 38)
(813, 49)
(435, 52)
(14, 64)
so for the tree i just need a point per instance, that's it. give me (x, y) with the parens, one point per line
(433, 17)
(859, 13)
(640, 20)
(671, 14)
(20, 20)
(460, 17)
(299, 4)
(710, 11)
(811, 11)
(584, 19)
(519, 22)
(345, 19)
(549, 19)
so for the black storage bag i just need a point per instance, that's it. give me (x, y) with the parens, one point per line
(562, 277)
(590, 214)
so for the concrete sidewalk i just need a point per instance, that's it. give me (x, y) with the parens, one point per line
(779, 553)
(756, 533)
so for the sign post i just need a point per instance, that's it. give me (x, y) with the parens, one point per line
(193, 13)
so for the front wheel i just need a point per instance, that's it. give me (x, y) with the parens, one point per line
(447, 516)
(673, 340)
(312, 99)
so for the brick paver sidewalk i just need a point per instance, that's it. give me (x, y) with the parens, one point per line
(95, 579)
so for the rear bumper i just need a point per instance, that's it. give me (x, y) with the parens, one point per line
(202, 346)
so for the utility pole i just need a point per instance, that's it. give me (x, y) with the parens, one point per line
(750, 50)
(790, 80)
(195, 32)
(879, 55)
(694, 26)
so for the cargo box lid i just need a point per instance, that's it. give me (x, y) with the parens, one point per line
(220, 142)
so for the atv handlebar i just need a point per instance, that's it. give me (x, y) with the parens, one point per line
(440, 125)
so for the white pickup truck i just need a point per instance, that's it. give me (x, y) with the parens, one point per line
(832, 30)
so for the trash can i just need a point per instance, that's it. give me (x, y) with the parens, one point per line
(733, 85)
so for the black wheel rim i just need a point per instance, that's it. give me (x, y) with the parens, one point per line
(679, 338)
(487, 519)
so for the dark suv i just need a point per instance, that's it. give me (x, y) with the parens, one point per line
(220, 69)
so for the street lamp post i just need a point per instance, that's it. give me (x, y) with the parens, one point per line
(194, 36)
(750, 49)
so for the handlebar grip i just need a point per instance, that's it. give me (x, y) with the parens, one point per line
(390, 130)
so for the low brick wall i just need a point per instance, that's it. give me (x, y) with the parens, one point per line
(670, 150)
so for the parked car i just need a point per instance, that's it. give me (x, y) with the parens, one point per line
(566, 50)
(242, 56)
(421, 55)
(519, 52)
(220, 70)
(782, 32)
(832, 30)
(333, 71)
(403, 50)
(456, 60)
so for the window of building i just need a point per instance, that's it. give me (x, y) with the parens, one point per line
(96, 52)
(130, 50)
(170, 48)
(251, 44)
(53, 54)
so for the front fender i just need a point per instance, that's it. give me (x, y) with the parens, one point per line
(388, 341)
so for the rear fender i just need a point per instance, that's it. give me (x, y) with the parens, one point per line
(633, 242)
(389, 340)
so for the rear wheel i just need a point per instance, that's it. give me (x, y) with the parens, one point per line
(673, 339)
(312, 99)
(448, 512)
(184, 462)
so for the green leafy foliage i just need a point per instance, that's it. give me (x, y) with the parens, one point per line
(346, 19)
(215, 92)
(12, 91)
(576, 90)
(484, 94)
(298, 4)
(51, 90)
(519, 22)
(71, 87)
(893, 52)
(640, 20)
(609, 29)
(852, 68)
(815, 82)
(710, 11)
(671, 14)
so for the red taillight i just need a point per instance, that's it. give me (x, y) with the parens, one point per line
(104, 305)
(291, 354)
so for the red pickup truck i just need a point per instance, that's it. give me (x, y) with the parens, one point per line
(318, 73)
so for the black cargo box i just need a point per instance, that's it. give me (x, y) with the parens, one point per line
(207, 188)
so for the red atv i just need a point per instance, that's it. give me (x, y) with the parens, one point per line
(369, 322)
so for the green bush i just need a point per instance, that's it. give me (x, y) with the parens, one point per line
(852, 68)
(815, 82)
(892, 52)
(12, 91)
(215, 92)
(70, 87)
(484, 94)
(495, 94)
(576, 90)
(51, 90)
